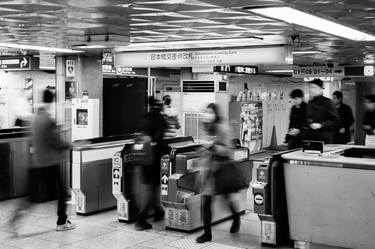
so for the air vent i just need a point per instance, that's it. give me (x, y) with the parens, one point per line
(198, 86)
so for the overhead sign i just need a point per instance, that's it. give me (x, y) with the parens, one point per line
(124, 71)
(15, 63)
(189, 58)
(236, 69)
(318, 71)
(359, 71)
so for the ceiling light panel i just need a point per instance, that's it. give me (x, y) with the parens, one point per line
(294, 16)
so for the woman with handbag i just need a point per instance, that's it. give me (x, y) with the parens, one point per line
(220, 145)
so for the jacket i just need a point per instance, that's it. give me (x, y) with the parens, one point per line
(369, 119)
(297, 120)
(346, 121)
(47, 143)
(321, 110)
(172, 124)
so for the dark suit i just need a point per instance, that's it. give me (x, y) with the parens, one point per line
(321, 110)
(346, 121)
(298, 120)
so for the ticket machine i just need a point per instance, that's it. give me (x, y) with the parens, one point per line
(181, 187)
(126, 181)
(92, 173)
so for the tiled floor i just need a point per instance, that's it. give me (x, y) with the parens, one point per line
(37, 230)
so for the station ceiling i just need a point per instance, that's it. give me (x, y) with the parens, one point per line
(117, 23)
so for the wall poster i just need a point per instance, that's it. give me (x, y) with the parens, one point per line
(70, 90)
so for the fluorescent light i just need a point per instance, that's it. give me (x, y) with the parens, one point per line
(306, 52)
(91, 46)
(304, 19)
(47, 68)
(39, 48)
(280, 71)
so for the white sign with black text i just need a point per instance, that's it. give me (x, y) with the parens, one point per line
(318, 71)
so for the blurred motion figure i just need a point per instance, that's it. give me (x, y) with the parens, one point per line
(220, 144)
(48, 154)
(297, 120)
(171, 118)
(368, 122)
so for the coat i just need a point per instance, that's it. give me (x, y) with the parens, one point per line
(172, 124)
(297, 120)
(369, 119)
(47, 143)
(322, 110)
(346, 121)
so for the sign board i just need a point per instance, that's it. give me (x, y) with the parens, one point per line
(252, 70)
(116, 173)
(16, 63)
(318, 71)
(164, 184)
(189, 58)
(124, 71)
(70, 68)
(359, 71)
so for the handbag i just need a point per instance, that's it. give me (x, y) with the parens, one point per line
(230, 177)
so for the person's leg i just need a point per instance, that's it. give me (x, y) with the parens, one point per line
(147, 206)
(158, 209)
(61, 195)
(207, 217)
(234, 208)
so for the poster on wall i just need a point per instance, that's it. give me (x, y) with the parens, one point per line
(29, 83)
(70, 68)
(4, 122)
(70, 90)
(251, 125)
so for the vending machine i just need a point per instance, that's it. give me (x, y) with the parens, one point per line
(85, 118)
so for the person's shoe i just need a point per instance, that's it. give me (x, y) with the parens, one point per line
(206, 237)
(142, 225)
(159, 216)
(65, 227)
(235, 228)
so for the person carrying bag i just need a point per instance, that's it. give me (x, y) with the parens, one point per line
(220, 145)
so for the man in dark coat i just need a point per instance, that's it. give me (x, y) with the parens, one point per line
(154, 126)
(343, 132)
(322, 116)
(298, 120)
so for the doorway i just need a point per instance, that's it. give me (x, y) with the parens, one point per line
(124, 105)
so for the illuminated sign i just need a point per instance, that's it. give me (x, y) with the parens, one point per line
(237, 69)
(19, 63)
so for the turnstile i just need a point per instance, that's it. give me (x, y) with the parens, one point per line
(126, 180)
(92, 173)
(181, 187)
(270, 199)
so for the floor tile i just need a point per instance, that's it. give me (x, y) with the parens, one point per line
(31, 243)
(66, 237)
(3, 246)
(90, 230)
(188, 243)
(162, 241)
(96, 243)
(129, 238)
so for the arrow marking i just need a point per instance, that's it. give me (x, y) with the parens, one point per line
(23, 62)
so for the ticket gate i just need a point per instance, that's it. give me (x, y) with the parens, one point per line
(126, 179)
(270, 200)
(181, 187)
(92, 173)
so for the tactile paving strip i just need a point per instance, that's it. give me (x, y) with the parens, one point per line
(191, 244)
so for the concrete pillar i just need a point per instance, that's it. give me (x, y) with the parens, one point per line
(88, 76)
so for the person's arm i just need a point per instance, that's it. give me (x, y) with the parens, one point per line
(54, 139)
(223, 143)
(350, 120)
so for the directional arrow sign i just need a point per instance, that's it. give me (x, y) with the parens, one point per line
(24, 62)
(318, 71)
(116, 173)
(164, 179)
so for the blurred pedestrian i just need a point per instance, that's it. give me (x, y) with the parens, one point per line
(343, 132)
(171, 118)
(220, 144)
(368, 123)
(297, 120)
(322, 116)
(153, 127)
(49, 149)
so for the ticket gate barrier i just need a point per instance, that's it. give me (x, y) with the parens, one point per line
(126, 179)
(270, 200)
(181, 187)
(92, 173)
